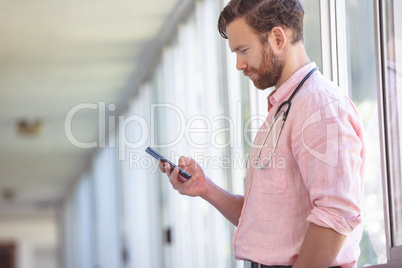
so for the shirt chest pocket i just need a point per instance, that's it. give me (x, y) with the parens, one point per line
(272, 179)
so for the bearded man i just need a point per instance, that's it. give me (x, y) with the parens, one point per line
(305, 213)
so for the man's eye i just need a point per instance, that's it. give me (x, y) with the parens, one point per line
(243, 51)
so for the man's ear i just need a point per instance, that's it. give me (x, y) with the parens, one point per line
(278, 39)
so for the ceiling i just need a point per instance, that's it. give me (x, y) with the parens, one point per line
(55, 55)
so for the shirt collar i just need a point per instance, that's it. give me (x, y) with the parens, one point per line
(282, 93)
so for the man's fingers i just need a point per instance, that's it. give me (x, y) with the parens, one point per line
(174, 178)
(186, 160)
(182, 161)
(181, 179)
(168, 169)
(161, 165)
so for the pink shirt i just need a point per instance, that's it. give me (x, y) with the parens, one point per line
(315, 175)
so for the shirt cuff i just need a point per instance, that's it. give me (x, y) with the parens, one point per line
(327, 219)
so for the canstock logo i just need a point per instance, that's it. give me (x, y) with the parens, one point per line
(330, 154)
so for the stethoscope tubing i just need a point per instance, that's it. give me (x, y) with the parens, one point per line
(285, 115)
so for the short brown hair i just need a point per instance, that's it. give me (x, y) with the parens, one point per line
(263, 15)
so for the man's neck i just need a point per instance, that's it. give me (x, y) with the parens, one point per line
(295, 58)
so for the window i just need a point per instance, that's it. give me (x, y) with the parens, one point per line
(362, 89)
(392, 85)
(188, 118)
(312, 31)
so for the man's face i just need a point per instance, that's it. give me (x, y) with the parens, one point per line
(257, 61)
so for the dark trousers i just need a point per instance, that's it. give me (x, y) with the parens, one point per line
(255, 265)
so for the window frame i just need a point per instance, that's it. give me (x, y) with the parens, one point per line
(334, 43)
(334, 55)
(394, 253)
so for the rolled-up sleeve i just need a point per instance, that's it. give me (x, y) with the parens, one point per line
(328, 147)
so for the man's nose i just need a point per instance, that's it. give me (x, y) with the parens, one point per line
(241, 64)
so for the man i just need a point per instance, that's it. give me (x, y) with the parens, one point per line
(306, 211)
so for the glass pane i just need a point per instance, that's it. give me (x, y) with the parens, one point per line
(363, 92)
(393, 77)
(312, 30)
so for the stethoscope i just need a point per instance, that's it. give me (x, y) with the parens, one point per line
(279, 112)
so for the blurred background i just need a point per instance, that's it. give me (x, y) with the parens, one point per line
(86, 86)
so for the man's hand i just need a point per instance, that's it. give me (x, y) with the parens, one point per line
(198, 185)
(195, 186)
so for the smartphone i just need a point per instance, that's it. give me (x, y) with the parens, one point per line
(158, 156)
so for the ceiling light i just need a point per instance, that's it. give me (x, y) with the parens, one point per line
(29, 127)
(8, 194)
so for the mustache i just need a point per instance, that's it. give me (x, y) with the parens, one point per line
(247, 72)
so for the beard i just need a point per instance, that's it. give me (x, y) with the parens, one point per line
(269, 71)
